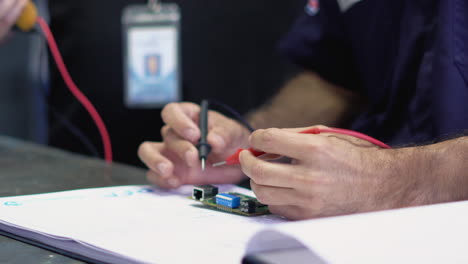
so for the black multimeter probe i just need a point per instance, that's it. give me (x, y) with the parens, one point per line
(204, 148)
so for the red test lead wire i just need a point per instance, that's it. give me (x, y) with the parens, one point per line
(75, 91)
(234, 158)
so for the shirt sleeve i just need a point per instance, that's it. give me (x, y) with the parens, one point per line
(318, 42)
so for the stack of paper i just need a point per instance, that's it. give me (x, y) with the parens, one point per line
(142, 224)
(427, 234)
(132, 223)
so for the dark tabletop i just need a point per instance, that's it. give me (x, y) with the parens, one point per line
(27, 168)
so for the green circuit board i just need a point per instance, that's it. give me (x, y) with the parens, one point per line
(247, 205)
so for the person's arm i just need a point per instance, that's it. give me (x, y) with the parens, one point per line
(333, 174)
(10, 10)
(305, 100)
(441, 170)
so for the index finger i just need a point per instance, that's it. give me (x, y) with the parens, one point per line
(303, 130)
(286, 143)
(270, 174)
(182, 117)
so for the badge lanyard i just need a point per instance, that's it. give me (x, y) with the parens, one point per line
(151, 54)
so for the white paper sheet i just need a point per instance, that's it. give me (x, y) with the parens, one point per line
(428, 234)
(135, 222)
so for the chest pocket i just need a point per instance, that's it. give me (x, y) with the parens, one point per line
(460, 36)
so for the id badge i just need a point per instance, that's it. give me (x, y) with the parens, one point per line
(151, 55)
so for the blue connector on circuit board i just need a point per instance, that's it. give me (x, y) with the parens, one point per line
(228, 200)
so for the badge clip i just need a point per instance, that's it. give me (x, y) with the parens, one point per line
(154, 5)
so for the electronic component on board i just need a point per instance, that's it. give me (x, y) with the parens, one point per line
(228, 200)
(202, 192)
(248, 206)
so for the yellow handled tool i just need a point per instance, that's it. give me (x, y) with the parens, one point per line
(28, 17)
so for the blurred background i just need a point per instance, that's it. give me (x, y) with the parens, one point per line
(229, 53)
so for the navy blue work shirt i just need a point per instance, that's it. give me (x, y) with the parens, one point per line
(409, 58)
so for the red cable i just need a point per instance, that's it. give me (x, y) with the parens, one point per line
(75, 91)
(316, 130)
(234, 158)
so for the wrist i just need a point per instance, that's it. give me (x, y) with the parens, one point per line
(396, 184)
(450, 173)
(428, 174)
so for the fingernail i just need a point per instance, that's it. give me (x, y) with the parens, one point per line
(218, 140)
(191, 157)
(191, 134)
(163, 169)
(173, 182)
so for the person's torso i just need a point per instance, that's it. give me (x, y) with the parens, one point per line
(411, 58)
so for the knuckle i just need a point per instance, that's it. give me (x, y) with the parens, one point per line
(264, 137)
(164, 130)
(191, 109)
(268, 136)
(263, 196)
(167, 110)
(183, 149)
(143, 146)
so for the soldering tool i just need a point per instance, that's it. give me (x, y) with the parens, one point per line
(204, 148)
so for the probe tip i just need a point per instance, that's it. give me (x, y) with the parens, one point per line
(203, 164)
(219, 164)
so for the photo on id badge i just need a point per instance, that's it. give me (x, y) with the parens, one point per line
(152, 77)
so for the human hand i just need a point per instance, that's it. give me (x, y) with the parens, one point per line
(10, 10)
(175, 161)
(330, 174)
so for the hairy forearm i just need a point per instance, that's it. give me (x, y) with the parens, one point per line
(432, 174)
(449, 169)
(306, 100)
